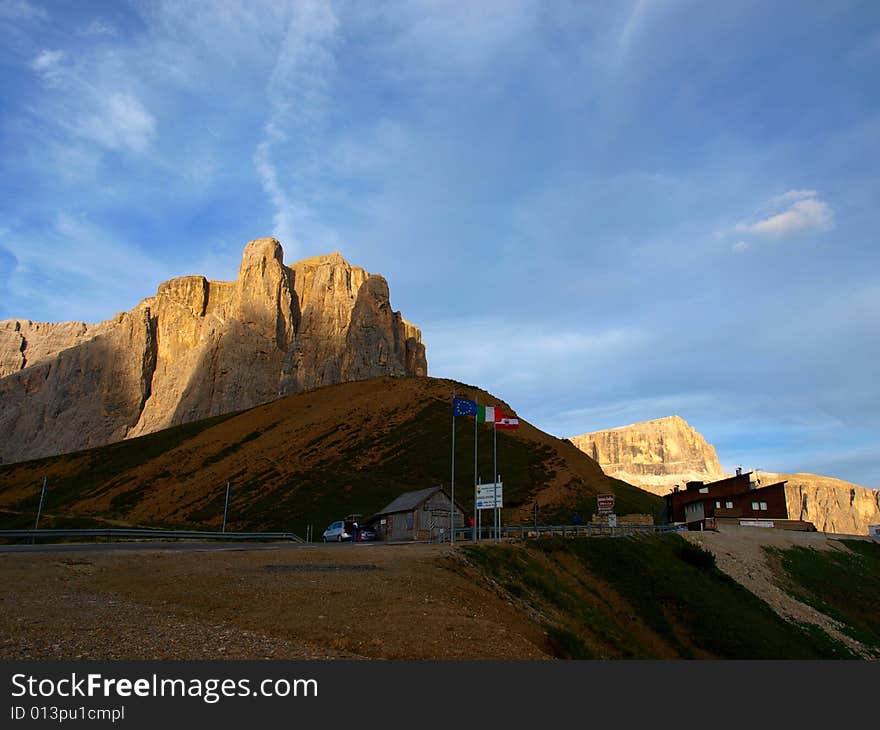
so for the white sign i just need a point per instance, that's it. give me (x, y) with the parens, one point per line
(490, 496)
(756, 523)
(605, 503)
(612, 520)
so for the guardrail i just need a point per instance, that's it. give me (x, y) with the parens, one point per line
(112, 533)
(525, 532)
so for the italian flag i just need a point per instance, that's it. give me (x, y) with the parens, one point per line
(505, 421)
(488, 414)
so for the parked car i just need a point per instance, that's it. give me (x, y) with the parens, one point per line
(367, 534)
(338, 532)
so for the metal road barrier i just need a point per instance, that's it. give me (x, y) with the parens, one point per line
(113, 533)
(524, 532)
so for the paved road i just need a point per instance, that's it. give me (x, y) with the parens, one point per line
(183, 546)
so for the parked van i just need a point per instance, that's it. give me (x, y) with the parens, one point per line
(338, 532)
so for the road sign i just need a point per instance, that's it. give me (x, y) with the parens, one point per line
(606, 503)
(490, 496)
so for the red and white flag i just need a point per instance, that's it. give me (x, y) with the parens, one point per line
(505, 421)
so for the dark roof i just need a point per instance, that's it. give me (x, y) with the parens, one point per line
(409, 500)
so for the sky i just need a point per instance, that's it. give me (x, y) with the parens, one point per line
(601, 212)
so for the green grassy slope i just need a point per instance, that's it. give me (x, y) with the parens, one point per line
(843, 584)
(648, 597)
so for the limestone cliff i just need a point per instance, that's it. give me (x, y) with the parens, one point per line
(199, 348)
(657, 455)
(832, 505)
(654, 455)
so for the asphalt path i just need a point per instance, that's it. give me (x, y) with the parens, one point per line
(182, 546)
(177, 547)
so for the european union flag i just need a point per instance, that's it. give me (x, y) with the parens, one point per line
(464, 407)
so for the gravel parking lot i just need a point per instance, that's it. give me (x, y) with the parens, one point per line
(272, 601)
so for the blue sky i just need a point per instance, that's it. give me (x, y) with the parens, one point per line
(602, 212)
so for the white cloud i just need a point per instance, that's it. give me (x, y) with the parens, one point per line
(297, 95)
(48, 65)
(741, 246)
(47, 60)
(804, 215)
(793, 196)
(805, 211)
(120, 121)
(20, 10)
(114, 118)
(79, 268)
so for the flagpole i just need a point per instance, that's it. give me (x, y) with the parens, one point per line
(474, 531)
(495, 469)
(452, 479)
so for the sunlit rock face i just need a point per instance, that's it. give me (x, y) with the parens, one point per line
(657, 455)
(199, 348)
(654, 455)
(832, 505)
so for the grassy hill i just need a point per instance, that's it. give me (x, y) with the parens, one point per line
(656, 597)
(309, 459)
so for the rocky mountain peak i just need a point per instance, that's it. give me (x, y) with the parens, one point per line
(199, 348)
(654, 455)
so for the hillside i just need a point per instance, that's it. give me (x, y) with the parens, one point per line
(196, 349)
(664, 597)
(310, 458)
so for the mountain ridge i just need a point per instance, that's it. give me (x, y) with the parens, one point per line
(637, 453)
(199, 348)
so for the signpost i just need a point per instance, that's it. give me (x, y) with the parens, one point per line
(605, 503)
(490, 496)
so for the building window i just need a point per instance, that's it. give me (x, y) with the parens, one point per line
(756, 506)
(717, 505)
(728, 504)
(409, 520)
(763, 505)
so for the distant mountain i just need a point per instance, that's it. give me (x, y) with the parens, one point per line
(832, 505)
(312, 458)
(196, 349)
(657, 455)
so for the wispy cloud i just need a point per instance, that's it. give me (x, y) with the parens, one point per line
(793, 196)
(297, 95)
(803, 211)
(21, 10)
(119, 122)
(97, 271)
(48, 65)
(116, 119)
